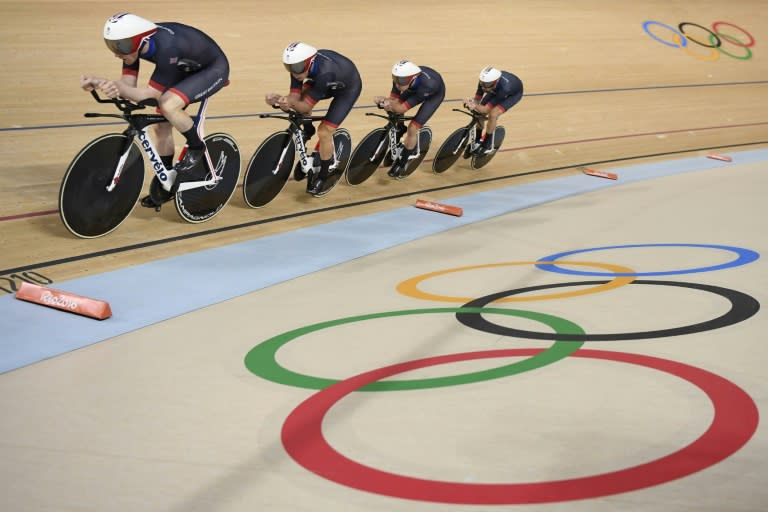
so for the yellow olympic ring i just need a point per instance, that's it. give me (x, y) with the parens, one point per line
(410, 288)
(714, 53)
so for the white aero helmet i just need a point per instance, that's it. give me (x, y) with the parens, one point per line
(488, 76)
(404, 72)
(124, 32)
(297, 57)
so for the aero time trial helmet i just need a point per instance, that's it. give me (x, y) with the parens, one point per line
(404, 72)
(125, 32)
(298, 56)
(488, 77)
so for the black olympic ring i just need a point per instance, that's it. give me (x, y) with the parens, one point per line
(743, 306)
(705, 29)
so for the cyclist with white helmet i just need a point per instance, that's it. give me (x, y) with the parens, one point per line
(412, 85)
(189, 66)
(318, 75)
(497, 91)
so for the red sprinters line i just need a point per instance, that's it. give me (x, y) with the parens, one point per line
(27, 215)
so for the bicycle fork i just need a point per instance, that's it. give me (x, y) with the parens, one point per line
(130, 134)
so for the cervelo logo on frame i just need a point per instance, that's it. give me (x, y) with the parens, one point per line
(714, 39)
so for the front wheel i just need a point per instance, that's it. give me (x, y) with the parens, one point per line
(269, 169)
(367, 156)
(498, 138)
(425, 139)
(200, 204)
(450, 150)
(86, 207)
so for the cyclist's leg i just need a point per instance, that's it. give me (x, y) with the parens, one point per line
(193, 88)
(426, 110)
(498, 108)
(163, 135)
(172, 105)
(338, 110)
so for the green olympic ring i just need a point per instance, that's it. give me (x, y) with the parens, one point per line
(735, 41)
(262, 362)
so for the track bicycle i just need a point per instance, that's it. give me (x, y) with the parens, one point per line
(272, 162)
(102, 185)
(465, 141)
(382, 146)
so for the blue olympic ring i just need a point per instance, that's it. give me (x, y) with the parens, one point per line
(683, 39)
(745, 256)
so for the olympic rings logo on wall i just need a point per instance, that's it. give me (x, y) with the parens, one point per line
(714, 39)
(735, 419)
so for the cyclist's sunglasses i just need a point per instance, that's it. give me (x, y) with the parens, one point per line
(402, 80)
(487, 86)
(297, 68)
(122, 46)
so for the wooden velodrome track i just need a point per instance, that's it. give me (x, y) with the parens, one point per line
(599, 92)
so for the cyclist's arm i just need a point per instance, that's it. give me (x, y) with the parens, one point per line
(480, 108)
(395, 105)
(89, 83)
(295, 101)
(127, 89)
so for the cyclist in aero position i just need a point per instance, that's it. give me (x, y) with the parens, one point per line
(318, 75)
(497, 92)
(412, 85)
(189, 67)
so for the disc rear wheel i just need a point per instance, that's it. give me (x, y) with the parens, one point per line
(498, 139)
(342, 146)
(425, 139)
(203, 203)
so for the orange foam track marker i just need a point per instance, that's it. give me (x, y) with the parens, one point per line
(441, 208)
(724, 158)
(65, 301)
(600, 174)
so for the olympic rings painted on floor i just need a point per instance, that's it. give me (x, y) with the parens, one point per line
(410, 288)
(715, 36)
(261, 360)
(734, 422)
(745, 256)
(743, 307)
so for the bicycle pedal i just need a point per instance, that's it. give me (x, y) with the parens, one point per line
(394, 172)
(148, 202)
(298, 172)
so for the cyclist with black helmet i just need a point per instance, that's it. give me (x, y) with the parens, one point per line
(189, 67)
(318, 75)
(412, 85)
(497, 91)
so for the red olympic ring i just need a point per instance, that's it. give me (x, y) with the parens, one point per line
(734, 422)
(751, 39)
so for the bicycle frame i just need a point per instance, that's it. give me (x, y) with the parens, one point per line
(392, 120)
(296, 130)
(138, 125)
(472, 126)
